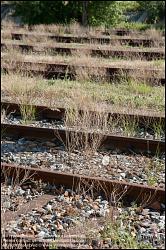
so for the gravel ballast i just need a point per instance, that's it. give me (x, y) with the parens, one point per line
(112, 165)
(69, 210)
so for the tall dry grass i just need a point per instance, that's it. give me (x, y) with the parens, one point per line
(76, 29)
(83, 66)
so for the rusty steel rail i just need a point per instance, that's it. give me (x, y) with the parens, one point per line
(62, 69)
(125, 32)
(132, 192)
(131, 41)
(110, 142)
(102, 52)
(44, 112)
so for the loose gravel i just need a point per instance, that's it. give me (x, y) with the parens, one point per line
(13, 198)
(71, 210)
(112, 165)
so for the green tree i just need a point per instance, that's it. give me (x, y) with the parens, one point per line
(86, 12)
(155, 10)
(47, 12)
(105, 13)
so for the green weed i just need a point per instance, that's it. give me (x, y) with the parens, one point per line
(28, 113)
(123, 239)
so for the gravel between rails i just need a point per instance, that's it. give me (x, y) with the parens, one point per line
(12, 199)
(112, 165)
(70, 211)
(138, 132)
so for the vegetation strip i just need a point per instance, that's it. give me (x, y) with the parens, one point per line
(82, 39)
(104, 52)
(115, 31)
(109, 141)
(50, 70)
(59, 113)
(133, 192)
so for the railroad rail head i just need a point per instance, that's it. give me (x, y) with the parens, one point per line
(144, 194)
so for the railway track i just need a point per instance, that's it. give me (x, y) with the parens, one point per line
(144, 196)
(111, 142)
(133, 192)
(44, 112)
(61, 70)
(102, 52)
(17, 35)
(124, 32)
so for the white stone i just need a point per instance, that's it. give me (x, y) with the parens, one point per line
(123, 175)
(49, 207)
(20, 191)
(41, 234)
(106, 160)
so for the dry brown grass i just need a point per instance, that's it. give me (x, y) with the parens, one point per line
(59, 29)
(79, 57)
(21, 89)
(83, 66)
(92, 45)
(86, 71)
(6, 35)
(35, 38)
(84, 137)
(126, 97)
(153, 34)
(76, 29)
(41, 33)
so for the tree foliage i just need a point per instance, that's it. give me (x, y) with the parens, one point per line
(155, 10)
(108, 13)
(47, 12)
(98, 12)
(105, 13)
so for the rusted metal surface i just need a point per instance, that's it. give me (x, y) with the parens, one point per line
(125, 32)
(59, 113)
(111, 142)
(61, 69)
(131, 192)
(131, 41)
(110, 52)
(41, 111)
